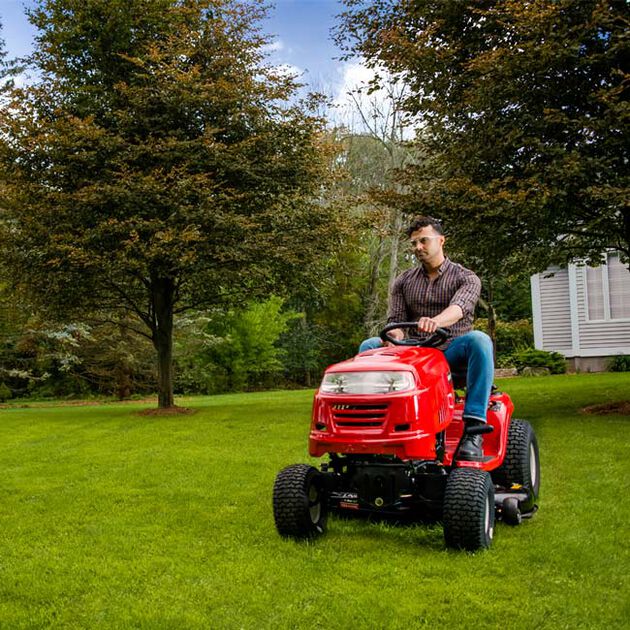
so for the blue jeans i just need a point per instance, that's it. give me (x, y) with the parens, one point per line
(472, 352)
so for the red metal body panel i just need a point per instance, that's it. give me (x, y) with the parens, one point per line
(403, 424)
(494, 444)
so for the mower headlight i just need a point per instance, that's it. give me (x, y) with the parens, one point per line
(366, 382)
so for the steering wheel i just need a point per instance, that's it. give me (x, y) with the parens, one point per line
(433, 341)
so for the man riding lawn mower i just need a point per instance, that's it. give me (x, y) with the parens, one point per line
(401, 438)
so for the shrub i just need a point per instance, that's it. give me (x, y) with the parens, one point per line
(530, 357)
(235, 350)
(511, 336)
(505, 361)
(620, 363)
(5, 392)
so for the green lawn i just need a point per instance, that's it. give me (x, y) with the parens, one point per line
(113, 520)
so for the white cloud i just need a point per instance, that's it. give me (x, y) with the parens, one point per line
(24, 79)
(290, 69)
(273, 47)
(358, 110)
(354, 76)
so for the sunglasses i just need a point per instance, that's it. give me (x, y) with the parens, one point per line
(423, 240)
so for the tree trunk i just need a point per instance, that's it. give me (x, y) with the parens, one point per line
(492, 329)
(372, 298)
(492, 319)
(123, 370)
(397, 223)
(163, 292)
(307, 370)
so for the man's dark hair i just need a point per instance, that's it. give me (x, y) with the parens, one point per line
(421, 222)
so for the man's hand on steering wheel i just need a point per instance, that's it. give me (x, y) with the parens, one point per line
(397, 334)
(434, 340)
(427, 324)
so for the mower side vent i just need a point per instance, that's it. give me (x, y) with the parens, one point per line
(339, 407)
(359, 424)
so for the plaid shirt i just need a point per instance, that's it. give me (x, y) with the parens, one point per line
(415, 295)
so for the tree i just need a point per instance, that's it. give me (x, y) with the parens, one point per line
(374, 151)
(245, 344)
(155, 167)
(525, 115)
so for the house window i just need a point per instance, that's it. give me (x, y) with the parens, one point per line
(595, 292)
(618, 287)
(608, 290)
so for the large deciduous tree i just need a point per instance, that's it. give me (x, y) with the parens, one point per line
(156, 167)
(524, 107)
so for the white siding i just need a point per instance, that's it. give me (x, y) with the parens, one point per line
(562, 321)
(555, 311)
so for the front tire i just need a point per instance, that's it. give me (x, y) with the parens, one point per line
(468, 509)
(521, 465)
(300, 508)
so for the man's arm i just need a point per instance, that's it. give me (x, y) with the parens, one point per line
(449, 316)
(462, 302)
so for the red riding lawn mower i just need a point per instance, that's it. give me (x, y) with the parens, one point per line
(390, 421)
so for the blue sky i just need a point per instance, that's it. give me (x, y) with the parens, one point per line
(301, 30)
(16, 31)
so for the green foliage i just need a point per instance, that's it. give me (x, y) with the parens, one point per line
(523, 120)
(333, 325)
(301, 346)
(364, 158)
(238, 349)
(339, 319)
(45, 359)
(5, 392)
(620, 363)
(530, 357)
(116, 361)
(510, 336)
(509, 295)
(156, 168)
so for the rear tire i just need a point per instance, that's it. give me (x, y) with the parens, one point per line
(468, 509)
(300, 508)
(521, 465)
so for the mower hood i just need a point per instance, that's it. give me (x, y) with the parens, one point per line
(404, 359)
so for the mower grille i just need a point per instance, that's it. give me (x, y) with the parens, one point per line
(358, 416)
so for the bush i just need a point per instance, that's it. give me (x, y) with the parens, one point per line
(504, 361)
(530, 357)
(620, 363)
(236, 350)
(511, 336)
(5, 392)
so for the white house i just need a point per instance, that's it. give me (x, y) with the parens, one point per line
(583, 312)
